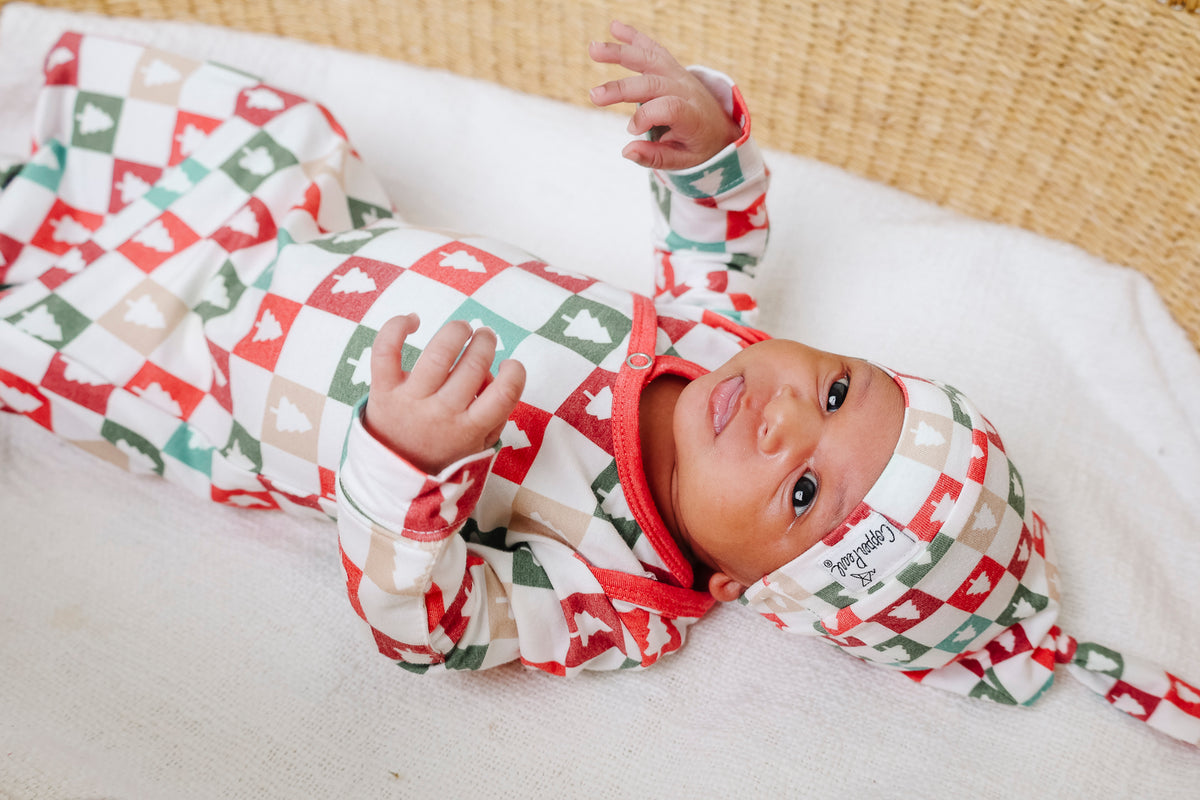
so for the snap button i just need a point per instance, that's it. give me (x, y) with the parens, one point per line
(639, 361)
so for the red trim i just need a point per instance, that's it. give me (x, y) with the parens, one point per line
(747, 334)
(673, 601)
(627, 445)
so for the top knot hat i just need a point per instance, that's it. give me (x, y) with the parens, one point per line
(943, 572)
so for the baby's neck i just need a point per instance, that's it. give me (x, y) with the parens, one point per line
(656, 411)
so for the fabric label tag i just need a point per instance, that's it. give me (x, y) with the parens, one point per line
(871, 551)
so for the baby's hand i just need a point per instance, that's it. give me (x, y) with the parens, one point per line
(696, 126)
(449, 406)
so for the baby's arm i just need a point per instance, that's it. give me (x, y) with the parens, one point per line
(711, 228)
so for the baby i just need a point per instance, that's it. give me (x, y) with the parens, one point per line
(196, 277)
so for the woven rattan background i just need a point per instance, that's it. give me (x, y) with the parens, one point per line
(1077, 119)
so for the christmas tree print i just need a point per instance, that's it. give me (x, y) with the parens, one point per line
(895, 653)
(586, 327)
(1097, 661)
(980, 585)
(75, 373)
(155, 236)
(267, 328)
(145, 312)
(460, 259)
(657, 636)
(600, 404)
(927, 436)
(69, 230)
(589, 328)
(159, 73)
(362, 368)
(257, 161)
(131, 187)
(942, 509)
(352, 236)
(40, 322)
(46, 166)
(72, 262)
(906, 610)
(190, 138)
(615, 504)
(216, 293)
(58, 56)
(141, 454)
(93, 119)
(1023, 609)
(157, 396)
(260, 157)
(513, 437)
(710, 182)
(587, 626)
(244, 221)
(984, 520)
(353, 281)
(263, 99)
(289, 418)
(363, 214)
(176, 180)
(238, 459)
(139, 461)
(966, 634)
(18, 401)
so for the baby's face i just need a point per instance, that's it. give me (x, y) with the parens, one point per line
(774, 449)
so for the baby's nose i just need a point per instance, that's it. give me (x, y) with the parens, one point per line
(788, 423)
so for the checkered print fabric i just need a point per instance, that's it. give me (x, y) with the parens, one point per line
(193, 268)
(943, 572)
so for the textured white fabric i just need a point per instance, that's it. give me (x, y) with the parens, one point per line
(154, 645)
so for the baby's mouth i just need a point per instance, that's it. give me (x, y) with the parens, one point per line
(724, 401)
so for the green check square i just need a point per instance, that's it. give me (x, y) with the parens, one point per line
(258, 159)
(611, 505)
(589, 328)
(140, 451)
(221, 293)
(352, 378)
(53, 320)
(96, 117)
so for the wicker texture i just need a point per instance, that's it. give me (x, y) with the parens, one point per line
(1076, 119)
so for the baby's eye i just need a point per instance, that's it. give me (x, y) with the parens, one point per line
(804, 493)
(837, 394)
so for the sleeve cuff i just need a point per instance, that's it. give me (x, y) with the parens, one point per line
(383, 486)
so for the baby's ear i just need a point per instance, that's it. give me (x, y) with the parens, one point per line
(724, 588)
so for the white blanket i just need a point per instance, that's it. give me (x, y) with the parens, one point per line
(156, 645)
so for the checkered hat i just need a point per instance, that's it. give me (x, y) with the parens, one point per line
(943, 572)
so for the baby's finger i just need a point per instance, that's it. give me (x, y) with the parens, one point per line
(635, 59)
(499, 399)
(666, 112)
(386, 350)
(438, 357)
(472, 372)
(633, 89)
